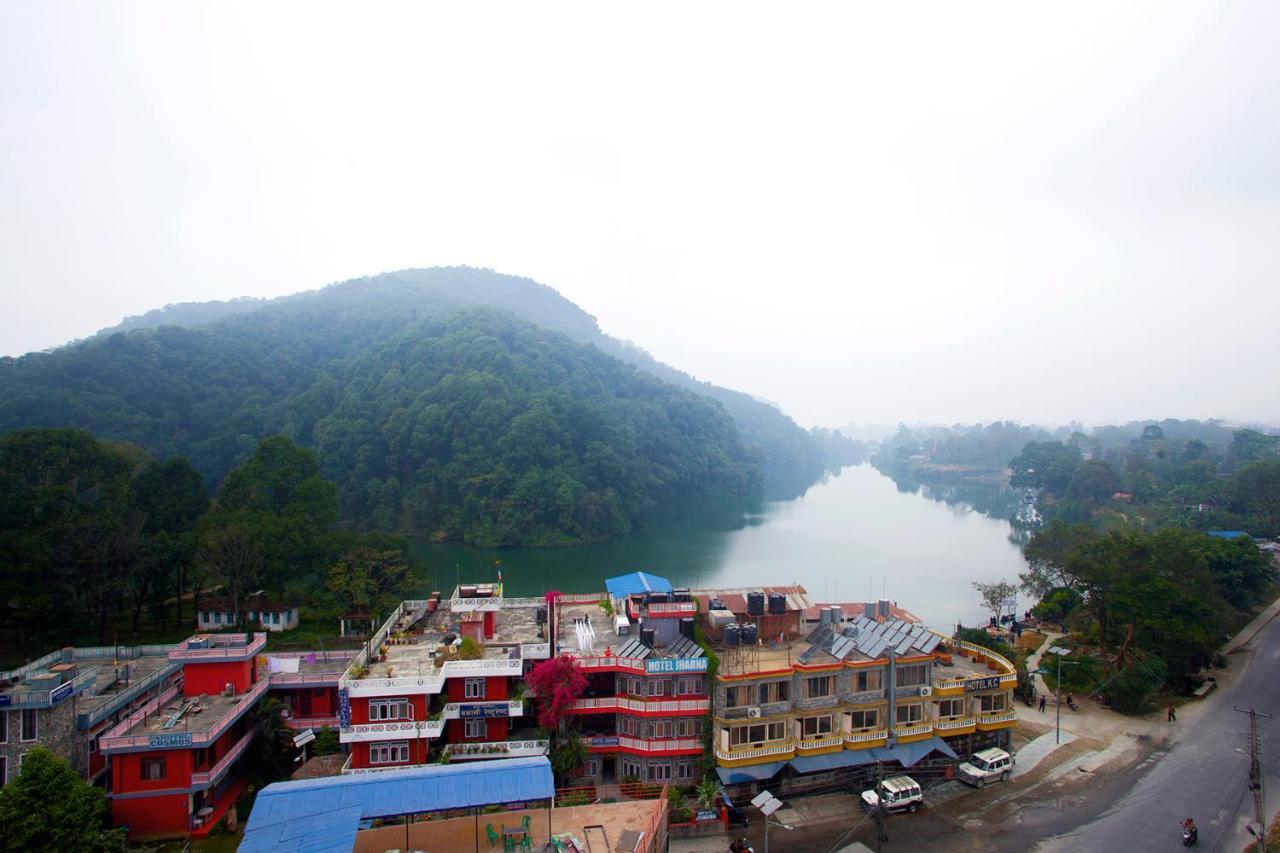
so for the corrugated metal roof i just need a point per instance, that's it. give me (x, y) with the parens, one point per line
(750, 773)
(319, 832)
(831, 761)
(636, 582)
(283, 812)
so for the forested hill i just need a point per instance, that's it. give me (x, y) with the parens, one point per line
(468, 424)
(791, 458)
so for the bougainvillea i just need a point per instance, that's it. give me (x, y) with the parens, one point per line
(558, 685)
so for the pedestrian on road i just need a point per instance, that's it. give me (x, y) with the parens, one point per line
(1173, 718)
(1041, 704)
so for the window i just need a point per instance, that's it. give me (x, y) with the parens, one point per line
(684, 772)
(774, 691)
(951, 708)
(473, 688)
(204, 616)
(475, 728)
(30, 724)
(815, 726)
(390, 709)
(734, 696)
(630, 767)
(758, 733)
(909, 676)
(4, 726)
(592, 767)
(388, 753)
(905, 715)
(660, 729)
(868, 679)
(659, 772)
(864, 719)
(4, 770)
(153, 768)
(993, 702)
(658, 687)
(688, 687)
(823, 685)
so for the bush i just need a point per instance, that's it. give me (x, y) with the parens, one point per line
(326, 742)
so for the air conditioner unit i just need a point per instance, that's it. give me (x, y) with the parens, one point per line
(926, 690)
(753, 712)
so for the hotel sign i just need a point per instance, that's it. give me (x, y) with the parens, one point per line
(602, 741)
(62, 691)
(675, 665)
(473, 711)
(974, 684)
(178, 739)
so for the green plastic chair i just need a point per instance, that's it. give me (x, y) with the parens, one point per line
(526, 843)
(524, 821)
(508, 844)
(491, 834)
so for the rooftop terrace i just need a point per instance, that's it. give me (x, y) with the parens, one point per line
(105, 677)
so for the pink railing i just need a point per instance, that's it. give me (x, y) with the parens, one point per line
(312, 722)
(287, 679)
(652, 706)
(214, 773)
(672, 608)
(117, 732)
(581, 598)
(629, 664)
(220, 646)
(117, 739)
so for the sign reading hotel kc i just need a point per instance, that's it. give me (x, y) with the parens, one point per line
(981, 683)
(657, 667)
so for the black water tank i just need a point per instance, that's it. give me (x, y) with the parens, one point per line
(542, 615)
(749, 634)
(658, 598)
(731, 634)
(777, 603)
(755, 604)
(647, 636)
(716, 604)
(686, 627)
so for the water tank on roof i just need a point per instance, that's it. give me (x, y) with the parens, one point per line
(755, 603)
(647, 636)
(732, 635)
(869, 610)
(885, 610)
(824, 616)
(837, 615)
(749, 634)
(467, 591)
(681, 595)
(716, 604)
(686, 628)
(542, 615)
(777, 603)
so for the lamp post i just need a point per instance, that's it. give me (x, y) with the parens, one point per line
(1057, 651)
(768, 804)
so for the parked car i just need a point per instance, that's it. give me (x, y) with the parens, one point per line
(989, 765)
(896, 794)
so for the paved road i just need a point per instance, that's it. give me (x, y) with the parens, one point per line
(1203, 774)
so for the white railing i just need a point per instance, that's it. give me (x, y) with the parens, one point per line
(220, 646)
(414, 684)
(672, 608)
(637, 744)
(947, 724)
(992, 717)
(914, 729)
(983, 651)
(216, 772)
(498, 749)
(292, 679)
(623, 704)
(453, 710)
(865, 735)
(397, 730)
(820, 743)
(44, 697)
(582, 598)
(629, 664)
(780, 747)
(535, 651)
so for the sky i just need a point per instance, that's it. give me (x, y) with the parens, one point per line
(864, 212)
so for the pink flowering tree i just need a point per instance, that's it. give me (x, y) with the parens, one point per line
(558, 685)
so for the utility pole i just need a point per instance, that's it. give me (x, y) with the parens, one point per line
(878, 813)
(1255, 771)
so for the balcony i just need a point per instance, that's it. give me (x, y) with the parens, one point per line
(829, 743)
(498, 749)
(866, 736)
(433, 682)
(215, 773)
(513, 708)
(772, 749)
(612, 663)
(637, 705)
(660, 746)
(954, 725)
(995, 719)
(913, 730)
(392, 730)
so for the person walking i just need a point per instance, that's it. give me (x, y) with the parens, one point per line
(1042, 704)
(1173, 718)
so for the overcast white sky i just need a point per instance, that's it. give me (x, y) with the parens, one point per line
(881, 213)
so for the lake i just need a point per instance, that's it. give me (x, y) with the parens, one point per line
(855, 536)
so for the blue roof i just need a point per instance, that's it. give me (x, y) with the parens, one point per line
(833, 760)
(1228, 534)
(908, 754)
(624, 585)
(750, 773)
(284, 813)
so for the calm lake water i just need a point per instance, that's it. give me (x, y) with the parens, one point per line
(849, 538)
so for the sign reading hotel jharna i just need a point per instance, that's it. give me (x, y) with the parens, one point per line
(981, 683)
(658, 667)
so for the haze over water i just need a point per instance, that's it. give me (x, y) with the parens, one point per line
(846, 539)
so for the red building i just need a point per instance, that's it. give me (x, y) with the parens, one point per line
(174, 761)
(418, 688)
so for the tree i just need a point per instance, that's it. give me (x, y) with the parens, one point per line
(1093, 481)
(1152, 432)
(230, 550)
(568, 755)
(1045, 465)
(1048, 554)
(369, 577)
(995, 594)
(1258, 487)
(49, 807)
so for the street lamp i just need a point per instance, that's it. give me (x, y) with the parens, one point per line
(768, 804)
(1058, 651)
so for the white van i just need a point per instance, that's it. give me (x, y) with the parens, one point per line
(897, 794)
(986, 766)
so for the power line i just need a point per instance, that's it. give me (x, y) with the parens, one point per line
(1256, 777)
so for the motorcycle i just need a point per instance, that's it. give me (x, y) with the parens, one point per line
(1190, 834)
(740, 845)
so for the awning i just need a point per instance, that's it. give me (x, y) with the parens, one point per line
(750, 773)
(833, 760)
(908, 754)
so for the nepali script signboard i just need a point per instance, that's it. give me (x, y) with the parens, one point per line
(467, 712)
(675, 665)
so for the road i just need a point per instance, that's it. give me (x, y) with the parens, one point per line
(1203, 774)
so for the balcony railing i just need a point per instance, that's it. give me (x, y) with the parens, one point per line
(348, 770)
(820, 743)
(300, 723)
(947, 724)
(118, 738)
(659, 745)
(434, 683)
(397, 730)
(217, 771)
(672, 608)
(866, 735)
(778, 747)
(499, 749)
(221, 646)
(612, 662)
(993, 717)
(138, 688)
(627, 704)
(44, 698)
(913, 729)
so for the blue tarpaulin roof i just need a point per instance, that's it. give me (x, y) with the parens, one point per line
(750, 773)
(1228, 534)
(284, 813)
(833, 760)
(908, 754)
(636, 582)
